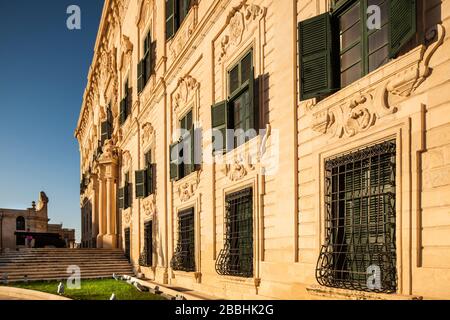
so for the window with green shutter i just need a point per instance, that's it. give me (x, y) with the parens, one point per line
(219, 117)
(145, 65)
(127, 193)
(141, 181)
(176, 12)
(107, 126)
(121, 198)
(338, 48)
(145, 178)
(237, 118)
(125, 104)
(182, 153)
(174, 161)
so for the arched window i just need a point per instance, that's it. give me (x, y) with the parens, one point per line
(20, 223)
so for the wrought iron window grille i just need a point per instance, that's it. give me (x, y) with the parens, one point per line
(236, 258)
(184, 256)
(360, 221)
(146, 256)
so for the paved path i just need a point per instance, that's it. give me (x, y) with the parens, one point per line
(8, 298)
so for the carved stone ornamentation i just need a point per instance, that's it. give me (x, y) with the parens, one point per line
(239, 21)
(185, 92)
(405, 82)
(187, 189)
(346, 117)
(354, 116)
(147, 133)
(239, 169)
(126, 159)
(127, 50)
(110, 152)
(127, 216)
(149, 205)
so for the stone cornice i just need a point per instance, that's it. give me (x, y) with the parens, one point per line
(112, 14)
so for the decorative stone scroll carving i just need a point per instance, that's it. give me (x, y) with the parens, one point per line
(149, 205)
(110, 151)
(126, 51)
(126, 159)
(239, 169)
(354, 116)
(239, 20)
(405, 82)
(185, 92)
(147, 133)
(360, 111)
(127, 216)
(186, 190)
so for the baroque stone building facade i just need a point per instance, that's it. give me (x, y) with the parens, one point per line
(345, 195)
(16, 224)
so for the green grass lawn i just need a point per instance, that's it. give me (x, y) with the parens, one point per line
(92, 290)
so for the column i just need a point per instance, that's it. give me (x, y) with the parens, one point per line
(101, 220)
(110, 239)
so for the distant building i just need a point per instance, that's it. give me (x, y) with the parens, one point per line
(68, 235)
(16, 225)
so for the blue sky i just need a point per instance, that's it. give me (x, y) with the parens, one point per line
(43, 69)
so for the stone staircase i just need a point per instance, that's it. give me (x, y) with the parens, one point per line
(52, 264)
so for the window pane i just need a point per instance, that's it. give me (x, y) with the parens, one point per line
(351, 36)
(349, 18)
(351, 57)
(234, 79)
(383, 4)
(378, 58)
(241, 117)
(351, 75)
(246, 67)
(378, 39)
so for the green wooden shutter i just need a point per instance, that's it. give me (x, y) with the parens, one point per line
(317, 60)
(140, 75)
(148, 60)
(191, 165)
(219, 116)
(170, 18)
(150, 179)
(105, 132)
(123, 111)
(174, 165)
(141, 181)
(121, 197)
(254, 109)
(403, 24)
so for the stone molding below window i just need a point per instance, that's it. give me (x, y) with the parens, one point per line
(127, 213)
(187, 186)
(149, 205)
(356, 108)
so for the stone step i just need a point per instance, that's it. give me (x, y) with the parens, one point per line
(64, 277)
(40, 259)
(62, 267)
(63, 272)
(51, 264)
